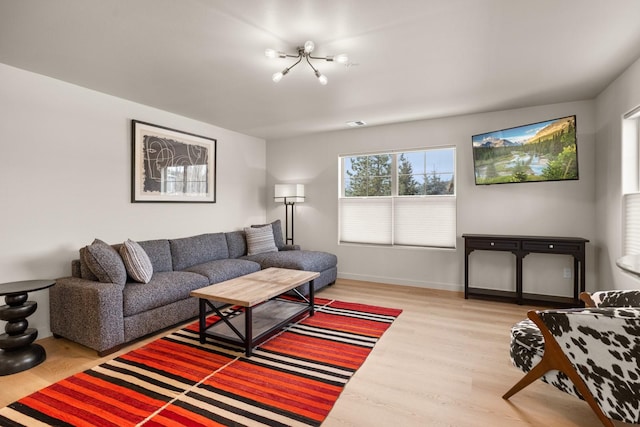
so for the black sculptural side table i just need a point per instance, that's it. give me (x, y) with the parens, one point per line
(17, 351)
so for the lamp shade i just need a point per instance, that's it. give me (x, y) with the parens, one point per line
(288, 193)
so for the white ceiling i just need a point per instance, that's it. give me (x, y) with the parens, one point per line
(410, 59)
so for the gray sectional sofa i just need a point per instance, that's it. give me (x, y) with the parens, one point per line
(103, 315)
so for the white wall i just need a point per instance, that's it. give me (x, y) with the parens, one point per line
(550, 208)
(66, 177)
(622, 95)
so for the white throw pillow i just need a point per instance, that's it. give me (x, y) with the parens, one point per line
(136, 261)
(260, 240)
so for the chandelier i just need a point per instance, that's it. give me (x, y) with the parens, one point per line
(304, 52)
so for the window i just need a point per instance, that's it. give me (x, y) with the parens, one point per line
(631, 182)
(399, 198)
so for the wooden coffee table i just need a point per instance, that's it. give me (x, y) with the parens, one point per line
(264, 315)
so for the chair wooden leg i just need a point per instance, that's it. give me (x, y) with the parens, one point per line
(585, 297)
(536, 372)
(554, 358)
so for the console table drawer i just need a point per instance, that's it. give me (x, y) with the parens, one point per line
(495, 245)
(551, 246)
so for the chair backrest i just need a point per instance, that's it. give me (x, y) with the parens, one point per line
(603, 344)
(617, 298)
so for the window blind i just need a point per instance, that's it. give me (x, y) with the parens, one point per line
(425, 221)
(631, 203)
(407, 221)
(366, 220)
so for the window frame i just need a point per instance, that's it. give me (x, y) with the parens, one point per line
(395, 175)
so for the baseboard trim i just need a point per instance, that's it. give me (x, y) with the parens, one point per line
(402, 282)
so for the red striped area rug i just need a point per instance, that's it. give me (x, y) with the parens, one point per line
(294, 379)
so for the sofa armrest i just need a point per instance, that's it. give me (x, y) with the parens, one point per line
(290, 248)
(87, 312)
(618, 298)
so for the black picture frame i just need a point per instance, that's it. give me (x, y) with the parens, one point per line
(171, 166)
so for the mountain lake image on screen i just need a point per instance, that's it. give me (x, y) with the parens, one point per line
(542, 151)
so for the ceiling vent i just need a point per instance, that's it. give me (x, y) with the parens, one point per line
(356, 123)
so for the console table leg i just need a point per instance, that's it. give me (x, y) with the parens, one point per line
(466, 274)
(519, 278)
(576, 279)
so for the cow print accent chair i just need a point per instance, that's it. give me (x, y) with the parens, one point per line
(592, 353)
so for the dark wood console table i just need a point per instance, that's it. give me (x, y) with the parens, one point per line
(521, 246)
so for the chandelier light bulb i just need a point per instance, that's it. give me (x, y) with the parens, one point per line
(322, 78)
(278, 76)
(309, 46)
(272, 53)
(343, 58)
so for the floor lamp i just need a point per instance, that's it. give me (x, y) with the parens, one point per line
(289, 194)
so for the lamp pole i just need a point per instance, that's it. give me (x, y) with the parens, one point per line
(288, 205)
(289, 194)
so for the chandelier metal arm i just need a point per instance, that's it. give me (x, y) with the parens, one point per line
(310, 64)
(295, 63)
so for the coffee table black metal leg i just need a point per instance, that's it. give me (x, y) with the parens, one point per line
(248, 330)
(312, 303)
(202, 315)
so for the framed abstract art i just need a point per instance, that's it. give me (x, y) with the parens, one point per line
(169, 165)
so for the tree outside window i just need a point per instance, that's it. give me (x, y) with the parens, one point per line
(367, 176)
(426, 172)
(419, 173)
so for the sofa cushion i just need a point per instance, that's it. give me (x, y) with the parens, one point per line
(163, 288)
(237, 243)
(260, 240)
(195, 250)
(225, 269)
(296, 260)
(136, 261)
(105, 262)
(276, 227)
(159, 252)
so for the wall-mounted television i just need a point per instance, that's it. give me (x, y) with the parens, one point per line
(542, 151)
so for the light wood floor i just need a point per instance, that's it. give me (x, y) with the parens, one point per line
(444, 362)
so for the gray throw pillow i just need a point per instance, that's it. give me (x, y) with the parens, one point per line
(276, 226)
(85, 271)
(136, 261)
(260, 240)
(105, 263)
